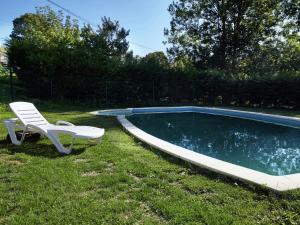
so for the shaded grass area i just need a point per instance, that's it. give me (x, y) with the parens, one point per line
(122, 181)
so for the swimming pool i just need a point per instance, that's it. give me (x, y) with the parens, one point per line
(260, 148)
(267, 148)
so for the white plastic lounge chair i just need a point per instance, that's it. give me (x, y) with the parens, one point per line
(33, 121)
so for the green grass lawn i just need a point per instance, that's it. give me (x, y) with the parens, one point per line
(122, 181)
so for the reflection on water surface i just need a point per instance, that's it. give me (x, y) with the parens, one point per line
(264, 147)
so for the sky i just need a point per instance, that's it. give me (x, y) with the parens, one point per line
(146, 19)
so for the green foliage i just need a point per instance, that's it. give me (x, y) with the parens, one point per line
(56, 58)
(234, 35)
(242, 52)
(156, 59)
(220, 33)
(3, 71)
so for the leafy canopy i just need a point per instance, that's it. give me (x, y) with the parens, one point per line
(225, 34)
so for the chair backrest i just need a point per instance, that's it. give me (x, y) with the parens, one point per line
(28, 113)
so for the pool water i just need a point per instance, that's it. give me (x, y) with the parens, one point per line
(265, 147)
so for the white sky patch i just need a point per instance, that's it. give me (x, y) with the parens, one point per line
(142, 49)
(138, 50)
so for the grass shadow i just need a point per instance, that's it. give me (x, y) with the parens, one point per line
(37, 149)
(107, 122)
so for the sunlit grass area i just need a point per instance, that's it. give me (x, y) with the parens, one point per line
(122, 181)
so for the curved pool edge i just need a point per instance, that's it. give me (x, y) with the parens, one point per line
(261, 117)
(277, 183)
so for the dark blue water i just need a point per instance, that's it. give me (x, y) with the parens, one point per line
(264, 147)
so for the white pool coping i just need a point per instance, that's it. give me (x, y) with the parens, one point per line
(277, 183)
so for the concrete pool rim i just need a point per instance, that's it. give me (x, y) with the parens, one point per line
(277, 183)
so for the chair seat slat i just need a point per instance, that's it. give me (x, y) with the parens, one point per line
(34, 121)
(32, 117)
(22, 114)
(25, 110)
(40, 124)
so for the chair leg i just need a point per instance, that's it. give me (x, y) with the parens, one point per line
(54, 138)
(99, 140)
(23, 135)
(72, 143)
(95, 141)
(11, 128)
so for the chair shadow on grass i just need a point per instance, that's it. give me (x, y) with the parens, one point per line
(39, 149)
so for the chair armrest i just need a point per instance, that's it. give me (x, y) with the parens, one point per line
(60, 122)
(11, 120)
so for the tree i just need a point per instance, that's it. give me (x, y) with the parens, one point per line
(38, 40)
(49, 49)
(158, 59)
(279, 54)
(291, 9)
(220, 33)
